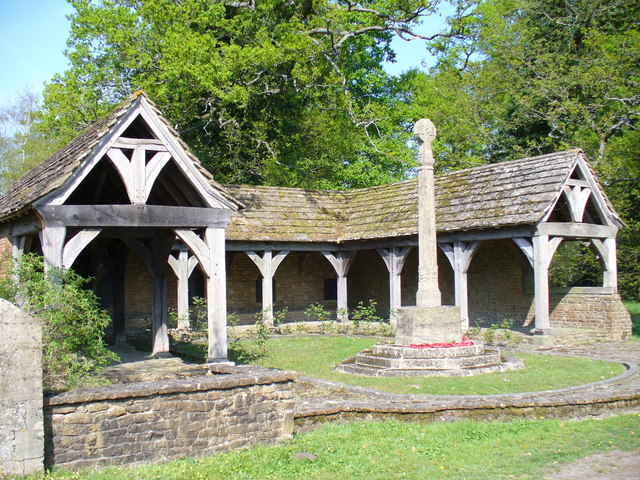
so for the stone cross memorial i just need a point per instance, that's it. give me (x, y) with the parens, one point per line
(428, 321)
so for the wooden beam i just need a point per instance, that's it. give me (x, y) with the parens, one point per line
(125, 169)
(77, 244)
(576, 230)
(153, 169)
(198, 247)
(26, 226)
(132, 216)
(577, 198)
(245, 246)
(140, 249)
(573, 182)
(144, 143)
(481, 235)
(526, 246)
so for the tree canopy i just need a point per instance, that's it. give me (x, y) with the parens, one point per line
(293, 93)
(285, 92)
(526, 77)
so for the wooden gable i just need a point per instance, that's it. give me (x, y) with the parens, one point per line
(581, 199)
(140, 161)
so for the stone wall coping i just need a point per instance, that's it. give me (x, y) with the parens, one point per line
(234, 377)
(385, 402)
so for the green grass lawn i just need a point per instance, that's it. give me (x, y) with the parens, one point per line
(393, 450)
(317, 356)
(634, 310)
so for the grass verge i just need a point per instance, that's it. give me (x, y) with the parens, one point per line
(393, 450)
(634, 311)
(317, 356)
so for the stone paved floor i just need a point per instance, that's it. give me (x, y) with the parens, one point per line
(137, 366)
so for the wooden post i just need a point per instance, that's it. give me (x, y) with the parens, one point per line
(606, 251)
(52, 240)
(160, 249)
(460, 256)
(611, 265)
(183, 267)
(341, 262)
(267, 264)
(217, 295)
(119, 256)
(210, 252)
(543, 250)
(18, 246)
(394, 259)
(183, 288)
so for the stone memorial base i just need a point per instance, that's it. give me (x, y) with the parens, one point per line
(427, 325)
(386, 360)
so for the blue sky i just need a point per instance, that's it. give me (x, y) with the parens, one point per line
(33, 36)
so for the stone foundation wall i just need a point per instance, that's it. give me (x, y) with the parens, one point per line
(159, 421)
(496, 282)
(21, 427)
(594, 311)
(138, 293)
(299, 282)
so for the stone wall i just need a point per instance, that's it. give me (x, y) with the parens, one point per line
(138, 293)
(594, 311)
(21, 427)
(159, 421)
(299, 282)
(496, 281)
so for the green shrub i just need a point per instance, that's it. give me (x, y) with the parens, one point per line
(317, 312)
(72, 322)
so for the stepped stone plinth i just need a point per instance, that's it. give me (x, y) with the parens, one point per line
(429, 322)
(391, 360)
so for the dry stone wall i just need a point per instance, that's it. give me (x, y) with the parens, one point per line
(21, 427)
(159, 421)
(604, 312)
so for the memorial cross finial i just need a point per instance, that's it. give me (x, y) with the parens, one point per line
(424, 132)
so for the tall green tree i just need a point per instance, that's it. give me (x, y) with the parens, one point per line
(287, 92)
(22, 145)
(526, 77)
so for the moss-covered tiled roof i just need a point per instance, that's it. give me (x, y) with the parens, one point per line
(518, 192)
(289, 214)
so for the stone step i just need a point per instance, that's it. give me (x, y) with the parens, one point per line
(444, 363)
(398, 351)
(370, 371)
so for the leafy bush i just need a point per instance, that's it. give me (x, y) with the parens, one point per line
(365, 313)
(72, 322)
(317, 312)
